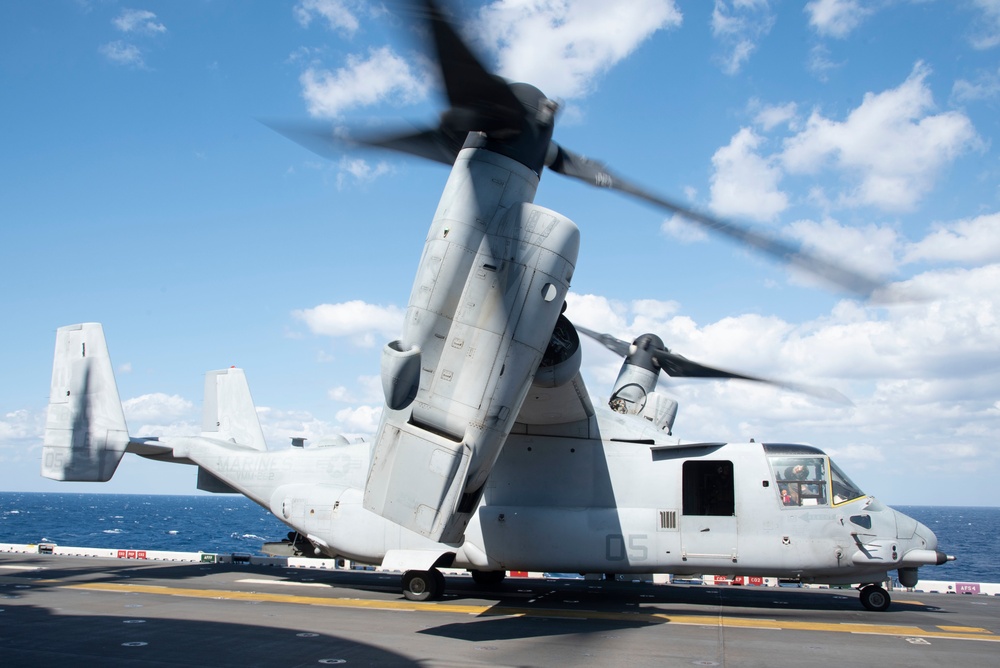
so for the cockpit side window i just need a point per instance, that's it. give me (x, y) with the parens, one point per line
(801, 480)
(843, 489)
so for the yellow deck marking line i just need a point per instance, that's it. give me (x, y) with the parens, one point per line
(963, 629)
(459, 609)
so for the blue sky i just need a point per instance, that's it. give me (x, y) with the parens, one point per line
(139, 190)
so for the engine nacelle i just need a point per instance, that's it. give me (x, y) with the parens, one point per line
(634, 392)
(632, 389)
(485, 302)
(562, 358)
(659, 410)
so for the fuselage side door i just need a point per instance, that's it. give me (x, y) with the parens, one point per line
(708, 519)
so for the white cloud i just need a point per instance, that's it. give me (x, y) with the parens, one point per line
(871, 249)
(384, 76)
(973, 240)
(159, 414)
(769, 117)
(21, 424)
(157, 407)
(744, 183)
(923, 376)
(280, 426)
(985, 87)
(739, 25)
(655, 308)
(892, 142)
(367, 391)
(820, 63)
(596, 312)
(337, 14)
(123, 53)
(561, 47)
(987, 29)
(357, 320)
(361, 419)
(836, 18)
(138, 21)
(341, 393)
(360, 171)
(681, 229)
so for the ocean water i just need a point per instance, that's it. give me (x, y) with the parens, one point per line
(220, 524)
(971, 534)
(228, 523)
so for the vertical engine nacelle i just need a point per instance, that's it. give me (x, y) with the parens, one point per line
(563, 358)
(634, 390)
(489, 290)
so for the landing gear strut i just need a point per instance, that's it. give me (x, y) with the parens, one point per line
(423, 585)
(875, 598)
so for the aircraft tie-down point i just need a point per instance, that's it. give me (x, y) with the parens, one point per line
(490, 454)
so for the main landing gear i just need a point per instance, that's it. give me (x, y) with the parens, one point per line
(875, 598)
(429, 585)
(423, 585)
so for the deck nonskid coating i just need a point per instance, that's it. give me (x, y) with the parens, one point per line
(58, 609)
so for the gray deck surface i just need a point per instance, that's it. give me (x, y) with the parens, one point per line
(60, 611)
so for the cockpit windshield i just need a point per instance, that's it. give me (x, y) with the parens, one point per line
(843, 489)
(810, 480)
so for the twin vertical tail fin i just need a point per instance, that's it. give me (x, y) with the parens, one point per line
(85, 431)
(229, 413)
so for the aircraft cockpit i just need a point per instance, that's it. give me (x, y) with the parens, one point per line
(805, 476)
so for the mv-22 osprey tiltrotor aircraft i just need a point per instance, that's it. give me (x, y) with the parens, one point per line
(490, 455)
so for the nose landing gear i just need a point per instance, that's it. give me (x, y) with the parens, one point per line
(875, 598)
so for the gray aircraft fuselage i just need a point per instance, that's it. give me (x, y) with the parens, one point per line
(601, 506)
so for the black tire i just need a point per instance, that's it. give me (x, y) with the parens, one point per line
(488, 579)
(422, 585)
(874, 598)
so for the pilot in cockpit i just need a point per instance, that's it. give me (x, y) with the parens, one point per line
(797, 472)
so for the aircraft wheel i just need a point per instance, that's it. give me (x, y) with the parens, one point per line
(875, 598)
(488, 578)
(423, 585)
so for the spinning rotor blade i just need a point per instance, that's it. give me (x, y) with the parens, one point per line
(597, 174)
(435, 144)
(480, 100)
(509, 114)
(679, 366)
(616, 346)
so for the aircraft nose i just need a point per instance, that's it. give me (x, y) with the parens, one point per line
(923, 534)
(906, 526)
(918, 544)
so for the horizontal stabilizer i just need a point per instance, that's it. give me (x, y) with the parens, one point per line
(209, 482)
(229, 413)
(85, 432)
